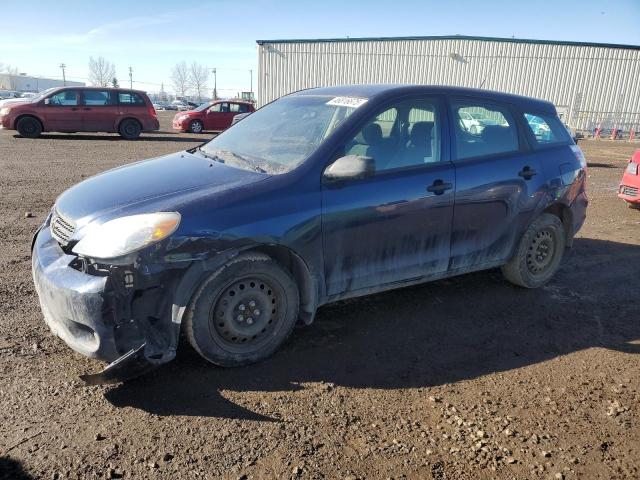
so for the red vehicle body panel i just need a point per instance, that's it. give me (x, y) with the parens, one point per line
(216, 117)
(630, 185)
(81, 112)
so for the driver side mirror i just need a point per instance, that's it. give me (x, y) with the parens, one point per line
(350, 167)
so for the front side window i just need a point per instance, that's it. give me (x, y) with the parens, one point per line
(483, 129)
(215, 108)
(130, 98)
(404, 135)
(66, 98)
(546, 129)
(282, 134)
(97, 97)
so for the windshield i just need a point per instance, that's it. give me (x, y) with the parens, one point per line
(281, 135)
(201, 107)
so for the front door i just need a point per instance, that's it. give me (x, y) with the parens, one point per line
(100, 110)
(219, 117)
(499, 183)
(63, 112)
(393, 226)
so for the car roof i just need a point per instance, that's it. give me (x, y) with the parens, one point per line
(232, 100)
(115, 89)
(380, 91)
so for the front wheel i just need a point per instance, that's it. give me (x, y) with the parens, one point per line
(29, 127)
(243, 312)
(539, 253)
(196, 126)
(129, 129)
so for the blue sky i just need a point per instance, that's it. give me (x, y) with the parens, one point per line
(153, 36)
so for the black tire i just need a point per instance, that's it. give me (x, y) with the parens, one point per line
(634, 206)
(129, 129)
(539, 253)
(196, 126)
(243, 312)
(29, 127)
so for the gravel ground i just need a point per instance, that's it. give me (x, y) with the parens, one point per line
(465, 378)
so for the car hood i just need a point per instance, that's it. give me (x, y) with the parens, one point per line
(147, 184)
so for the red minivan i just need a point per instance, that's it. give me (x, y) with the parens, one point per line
(83, 109)
(215, 116)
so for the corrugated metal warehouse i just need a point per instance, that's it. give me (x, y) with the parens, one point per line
(589, 83)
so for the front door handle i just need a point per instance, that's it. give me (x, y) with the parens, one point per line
(86, 108)
(527, 172)
(75, 109)
(439, 187)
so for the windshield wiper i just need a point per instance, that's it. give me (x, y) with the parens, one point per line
(215, 158)
(239, 159)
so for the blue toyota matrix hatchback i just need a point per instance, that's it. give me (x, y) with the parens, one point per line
(321, 195)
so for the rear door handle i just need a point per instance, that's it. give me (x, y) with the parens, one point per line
(75, 109)
(86, 108)
(439, 187)
(527, 172)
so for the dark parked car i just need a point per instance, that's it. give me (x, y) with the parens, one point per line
(82, 109)
(322, 195)
(215, 116)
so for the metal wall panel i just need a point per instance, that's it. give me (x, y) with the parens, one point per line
(588, 84)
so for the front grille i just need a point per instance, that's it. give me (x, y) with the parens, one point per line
(630, 191)
(61, 228)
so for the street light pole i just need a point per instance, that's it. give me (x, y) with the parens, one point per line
(215, 84)
(131, 78)
(251, 91)
(64, 78)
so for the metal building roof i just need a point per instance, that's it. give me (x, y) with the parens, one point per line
(453, 37)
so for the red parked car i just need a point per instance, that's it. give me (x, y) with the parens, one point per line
(82, 109)
(630, 185)
(215, 116)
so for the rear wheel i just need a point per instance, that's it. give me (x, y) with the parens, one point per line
(243, 312)
(129, 129)
(635, 206)
(196, 126)
(539, 253)
(29, 127)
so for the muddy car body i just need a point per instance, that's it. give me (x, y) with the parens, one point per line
(322, 195)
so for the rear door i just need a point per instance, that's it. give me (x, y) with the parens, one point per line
(100, 110)
(396, 225)
(63, 113)
(499, 183)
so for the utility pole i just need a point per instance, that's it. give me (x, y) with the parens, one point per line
(215, 84)
(131, 78)
(64, 78)
(251, 91)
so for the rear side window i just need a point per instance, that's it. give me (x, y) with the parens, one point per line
(547, 129)
(130, 98)
(483, 129)
(97, 97)
(239, 108)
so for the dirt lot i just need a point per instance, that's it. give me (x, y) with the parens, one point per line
(462, 378)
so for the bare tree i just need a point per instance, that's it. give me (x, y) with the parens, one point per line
(180, 79)
(199, 75)
(101, 72)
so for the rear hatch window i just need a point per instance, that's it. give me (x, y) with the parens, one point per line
(547, 130)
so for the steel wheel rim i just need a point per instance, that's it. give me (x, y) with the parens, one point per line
(130, 129)
(247, 313)
(29, 127)
(541, 252)
(196, 127)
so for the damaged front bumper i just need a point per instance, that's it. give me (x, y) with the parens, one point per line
(116, 314)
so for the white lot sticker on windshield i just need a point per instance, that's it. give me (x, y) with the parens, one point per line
(353, 102)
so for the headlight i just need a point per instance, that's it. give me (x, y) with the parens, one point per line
(125, 235)
(4, 111)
